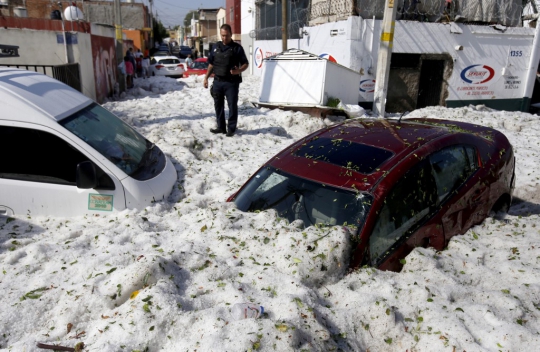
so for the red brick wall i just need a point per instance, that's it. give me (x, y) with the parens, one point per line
(42, 24)
(40, 8)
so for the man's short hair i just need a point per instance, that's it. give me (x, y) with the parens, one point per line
(227, 27)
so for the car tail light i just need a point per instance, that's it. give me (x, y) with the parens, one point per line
(159, 66)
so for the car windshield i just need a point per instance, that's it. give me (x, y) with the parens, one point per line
(199, 65)
(295, 198)
(110, 136)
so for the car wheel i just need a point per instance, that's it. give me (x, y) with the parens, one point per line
(501, 207)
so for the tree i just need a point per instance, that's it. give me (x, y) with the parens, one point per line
(159, 32)
(191, 14)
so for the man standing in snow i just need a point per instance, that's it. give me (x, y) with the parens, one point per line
(227, 60)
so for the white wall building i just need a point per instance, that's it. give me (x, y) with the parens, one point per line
(493, 65)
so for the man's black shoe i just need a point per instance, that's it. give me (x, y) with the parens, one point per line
(230, 133)
(217, 130)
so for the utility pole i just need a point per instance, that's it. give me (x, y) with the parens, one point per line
(119, 42)
(533, 65)
(151, 25)
(284, 29)
(63, 31)
(385, 55)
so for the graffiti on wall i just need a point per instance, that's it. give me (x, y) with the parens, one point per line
(104, 58)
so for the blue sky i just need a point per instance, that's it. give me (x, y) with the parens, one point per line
(172, 12)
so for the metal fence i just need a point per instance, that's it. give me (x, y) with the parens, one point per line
(303, 13)
(67, 73)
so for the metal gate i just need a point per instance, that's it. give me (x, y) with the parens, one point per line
(67, 73)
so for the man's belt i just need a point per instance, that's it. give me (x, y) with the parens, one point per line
(224, 79)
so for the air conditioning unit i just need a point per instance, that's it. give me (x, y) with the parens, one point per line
(4, 3)
(20, 12)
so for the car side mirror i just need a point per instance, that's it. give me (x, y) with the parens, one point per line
(86, 175)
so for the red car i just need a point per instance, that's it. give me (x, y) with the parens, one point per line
(395, 185)
(198, 67)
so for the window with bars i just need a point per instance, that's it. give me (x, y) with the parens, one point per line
(270, 19)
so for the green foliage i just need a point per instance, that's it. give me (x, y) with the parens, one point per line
(189, 16)
(159, 31)
(332, 102)
(34, 294)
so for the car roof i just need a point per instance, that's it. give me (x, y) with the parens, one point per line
(357, 154)
(201, 59)
(34, 97)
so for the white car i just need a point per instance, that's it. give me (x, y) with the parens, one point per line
(66, 155)
(169, 66)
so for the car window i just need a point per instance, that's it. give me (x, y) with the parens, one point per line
(199, 65)
(39, 156)
(117, 141)
(412, 198)
(169, 61)
(109, 135)
(295, 198)
(452, 167)
(345, 153)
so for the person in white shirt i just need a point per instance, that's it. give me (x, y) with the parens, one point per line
(145, 67)
(189, 61)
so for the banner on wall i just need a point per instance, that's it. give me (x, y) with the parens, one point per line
(104, 60)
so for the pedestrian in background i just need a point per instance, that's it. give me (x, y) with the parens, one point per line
(131, 57)
(189, 61)
(129, 71)
(227, 60)
(146, 67)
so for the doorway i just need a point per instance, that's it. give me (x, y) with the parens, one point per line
(430, 84)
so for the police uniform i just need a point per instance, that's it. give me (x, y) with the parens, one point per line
(223, 58)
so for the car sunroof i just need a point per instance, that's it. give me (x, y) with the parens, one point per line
(358, 157)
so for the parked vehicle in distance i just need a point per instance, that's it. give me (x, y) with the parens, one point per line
(184, 51)
(169, 66)
(394, 185)
(198, 67)
(164, 47)
(175, 51)
(161, 53)
(68, 155)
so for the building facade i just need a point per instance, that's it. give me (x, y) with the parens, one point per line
(233, 12)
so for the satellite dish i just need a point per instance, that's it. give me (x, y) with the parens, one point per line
(252, 34)
(73, 13)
